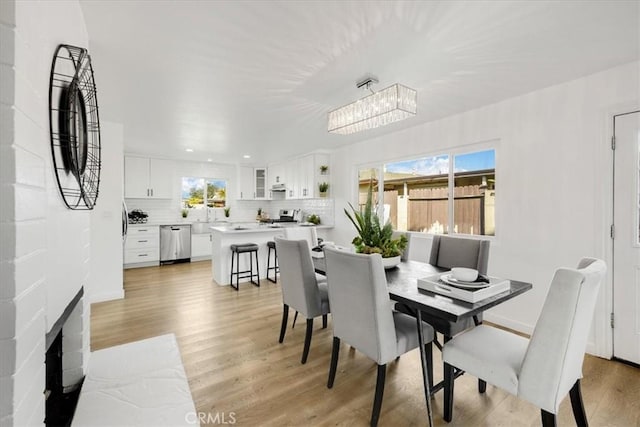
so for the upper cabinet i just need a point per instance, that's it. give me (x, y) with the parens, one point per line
(146, 178)
(253, 183)
(277, 174)
(301, 176)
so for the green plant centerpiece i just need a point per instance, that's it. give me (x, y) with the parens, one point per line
(373, 237)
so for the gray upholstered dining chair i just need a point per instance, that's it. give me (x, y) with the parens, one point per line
(310, 234)
(448, 252)
(300, 289)
(362, 316)
(543, 369)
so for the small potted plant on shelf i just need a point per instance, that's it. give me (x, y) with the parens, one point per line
(227, 211)
(323, 187)
(324, 169)
(373, 237)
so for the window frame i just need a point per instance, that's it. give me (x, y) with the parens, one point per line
(205, 199)
(491, 144)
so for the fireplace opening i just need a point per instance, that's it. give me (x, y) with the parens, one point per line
(59, 406)
(63, 365)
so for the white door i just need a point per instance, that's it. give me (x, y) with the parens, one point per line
(626, 244)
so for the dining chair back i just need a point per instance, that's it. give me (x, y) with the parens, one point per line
(543, 369)
(448, 252)
(553, 361)
(310, 234)
(363, 317)
(300, 289)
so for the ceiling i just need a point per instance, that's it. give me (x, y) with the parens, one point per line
(229, 78)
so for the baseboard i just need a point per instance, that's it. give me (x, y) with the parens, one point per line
(528, 330)
(508, 323)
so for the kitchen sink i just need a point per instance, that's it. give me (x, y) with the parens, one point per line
(203, 227)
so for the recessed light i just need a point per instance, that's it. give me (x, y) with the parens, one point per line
(189, 150)
(246, 156)
(209, 160)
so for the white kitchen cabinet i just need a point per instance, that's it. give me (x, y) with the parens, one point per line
(201, 246)
(253, 183)
(146, 178)
(260, 179)
(293, 185)
(303, 176)
(306, 177)
(142, 247)
(246, 185)
(277, 174)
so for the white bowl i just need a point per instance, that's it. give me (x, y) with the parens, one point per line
(464, 274)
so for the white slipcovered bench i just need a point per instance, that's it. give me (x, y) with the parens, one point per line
(142, 383)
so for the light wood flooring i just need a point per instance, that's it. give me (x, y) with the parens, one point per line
(235, 365)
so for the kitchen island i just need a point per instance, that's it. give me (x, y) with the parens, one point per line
(222, 237)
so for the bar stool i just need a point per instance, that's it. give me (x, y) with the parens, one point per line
(236, 250)
(271, 245)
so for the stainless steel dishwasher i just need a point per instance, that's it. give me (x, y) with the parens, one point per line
(175, 244)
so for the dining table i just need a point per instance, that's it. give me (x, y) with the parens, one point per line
(402, 283)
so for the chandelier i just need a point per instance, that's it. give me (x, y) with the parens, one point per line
(395, 103)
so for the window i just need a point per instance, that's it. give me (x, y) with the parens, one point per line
(194, 195)
(367, 176)
(417, 193)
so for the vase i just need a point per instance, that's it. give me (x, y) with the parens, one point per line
(391, 261)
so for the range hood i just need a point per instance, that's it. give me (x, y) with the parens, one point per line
(278, 187)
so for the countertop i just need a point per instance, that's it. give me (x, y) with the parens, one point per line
(255, 228)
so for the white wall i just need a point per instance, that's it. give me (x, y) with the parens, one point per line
(553, 198)
(45, 247)
(106, 219)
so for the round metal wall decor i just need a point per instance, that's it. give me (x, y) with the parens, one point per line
(74, 127)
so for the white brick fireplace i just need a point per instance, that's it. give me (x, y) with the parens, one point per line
(44, 247)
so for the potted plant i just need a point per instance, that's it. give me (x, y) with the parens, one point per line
(324, 169)
(185, 213)
(259, 217)
(227, 211)
(313, 219)
(323, 187)
(373, 237)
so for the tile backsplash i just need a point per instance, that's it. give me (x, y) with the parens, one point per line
(168, 210)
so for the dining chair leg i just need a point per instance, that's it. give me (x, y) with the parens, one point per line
(307, 341)
(576, 404)
(482, 386)
(285, 317)
(377, 400)
(548, 419)
(324, 321)
(334, 361)
(448, 392)
(295, 317)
